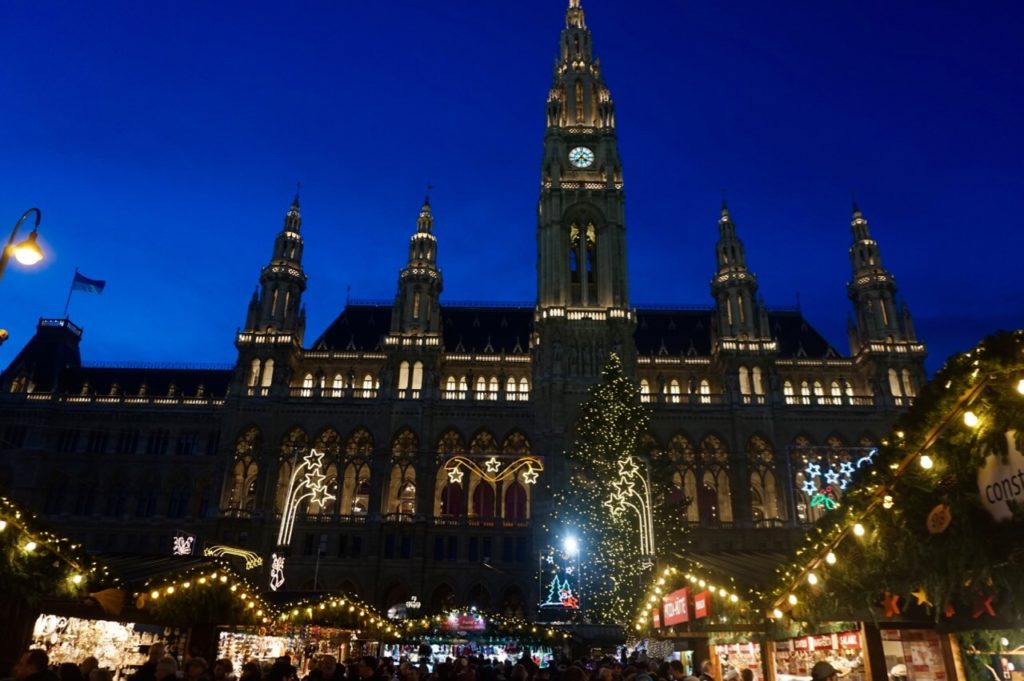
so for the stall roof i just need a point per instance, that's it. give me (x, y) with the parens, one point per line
(750, 569)
(133, 567)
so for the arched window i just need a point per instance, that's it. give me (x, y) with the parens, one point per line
(515, 444)
(705, 392)
(407, 498)
(837, 393)
(744, 381)
(483, 500)
(673, 391)
(367, 386)
(307, 385)
(463, 387)
(758, 382)
(361, 498)
(767, 505)
(819, 392)
(483, 444)
(908, 384)
(524, 387)
(450, 387)
(268, 373)
(787, 391)
(452, 502)
(416, 304)
(516, 505)
(511, 388)
(401, 494)
(338, 386)
(805, 392)
(481, 388)
(894, 383)
(645, 390)
(254, 373)
(417, 376)
(492, 387)
(403, 377)
(714, 495)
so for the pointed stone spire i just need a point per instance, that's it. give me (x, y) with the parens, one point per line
(873, 288)
(734, 287)
(282, 281)
(417, 306)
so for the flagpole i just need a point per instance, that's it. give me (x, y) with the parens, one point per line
(70, 291)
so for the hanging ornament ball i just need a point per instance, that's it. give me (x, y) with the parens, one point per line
(939, 519)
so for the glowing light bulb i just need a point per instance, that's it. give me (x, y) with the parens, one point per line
(830, 558)
(812, 578)
(734, 598)
(1004, 641)
(777, 614)
(792, 599)
(1020, 386)
(970, 419)
(858, 529)
(170, 590)
(926, 462)
(3, 525)
(155, 595)
(76, 579)
(31, 546)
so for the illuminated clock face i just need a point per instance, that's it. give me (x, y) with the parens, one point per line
(581, 157)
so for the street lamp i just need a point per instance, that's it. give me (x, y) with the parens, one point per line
(27, 252)
(571, 545)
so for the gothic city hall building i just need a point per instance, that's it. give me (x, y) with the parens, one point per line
(440, 430)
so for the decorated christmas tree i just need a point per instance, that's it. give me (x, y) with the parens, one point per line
(608, 433)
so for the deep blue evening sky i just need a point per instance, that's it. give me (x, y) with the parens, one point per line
(162, 142)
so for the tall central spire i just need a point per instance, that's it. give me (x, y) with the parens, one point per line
(578, 96)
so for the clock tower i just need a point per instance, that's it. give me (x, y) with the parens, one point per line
(582, 311)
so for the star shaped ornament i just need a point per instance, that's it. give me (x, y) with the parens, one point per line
(813, 470)
(846, 468)
(314, 458)
(492, 465)
(628, 467)
(530, 476)
(455, 475)
(809, 487)
(831, 477)
(922, 597)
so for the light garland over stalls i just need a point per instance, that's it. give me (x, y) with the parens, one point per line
(967, 412)
(203, 577)
(515, 626)
(30, 541)
(699, 579)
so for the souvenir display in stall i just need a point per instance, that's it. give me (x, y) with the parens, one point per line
(119, 646)
(439, 652)
(301, 643)
(795, 657)
(740, 656)
(913, 655)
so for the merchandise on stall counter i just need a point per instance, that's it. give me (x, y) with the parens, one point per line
(439, 652)
(919, 651)
(120, 647)
(301, 643)
(740, 656)
(795, 657)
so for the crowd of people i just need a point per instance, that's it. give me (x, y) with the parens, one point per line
(34, 666)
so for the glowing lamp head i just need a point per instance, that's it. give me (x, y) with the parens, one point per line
(858, 529)
(970, 419)
(571, 545)
(28, 251)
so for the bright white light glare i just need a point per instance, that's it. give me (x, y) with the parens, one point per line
(926, 462)
(572, 546)
(858, 530)
(792, 599)
(970, 419)
(830, 558)
(777, 614)
(812, 578)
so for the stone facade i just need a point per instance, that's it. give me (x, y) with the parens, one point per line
(395, 396)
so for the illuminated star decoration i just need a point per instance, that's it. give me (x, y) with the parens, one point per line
(809, 488)
(306, 484)
(922, 597)
(492, 465)
(813, 470)
(530, 476)
(455, 475)
(631, 490)
(550, 560)
(831, 477)
(846, 469)
(891, 604)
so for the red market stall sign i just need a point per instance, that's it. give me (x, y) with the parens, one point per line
(849, 639)
(464, 623)
(702, 604)
(677, 607)
(656, 619)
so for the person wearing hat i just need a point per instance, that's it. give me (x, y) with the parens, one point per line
(823, 671)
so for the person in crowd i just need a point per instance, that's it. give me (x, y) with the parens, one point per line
(223, 670)
(165, 669)
(88, 664)
(282, 670)
(101, 675)
(732, 675)
(747, 674)
(326, 669)
(69, 671)
(34, 665)
(707, 671)
(823, 671)
(251, 671)
(148, 669)
(197, 669)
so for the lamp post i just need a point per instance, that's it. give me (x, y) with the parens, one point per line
(27, 252)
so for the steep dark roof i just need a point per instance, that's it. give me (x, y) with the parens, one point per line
(688, 332)
(362, 327)
(158, 380)
(484, 328)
